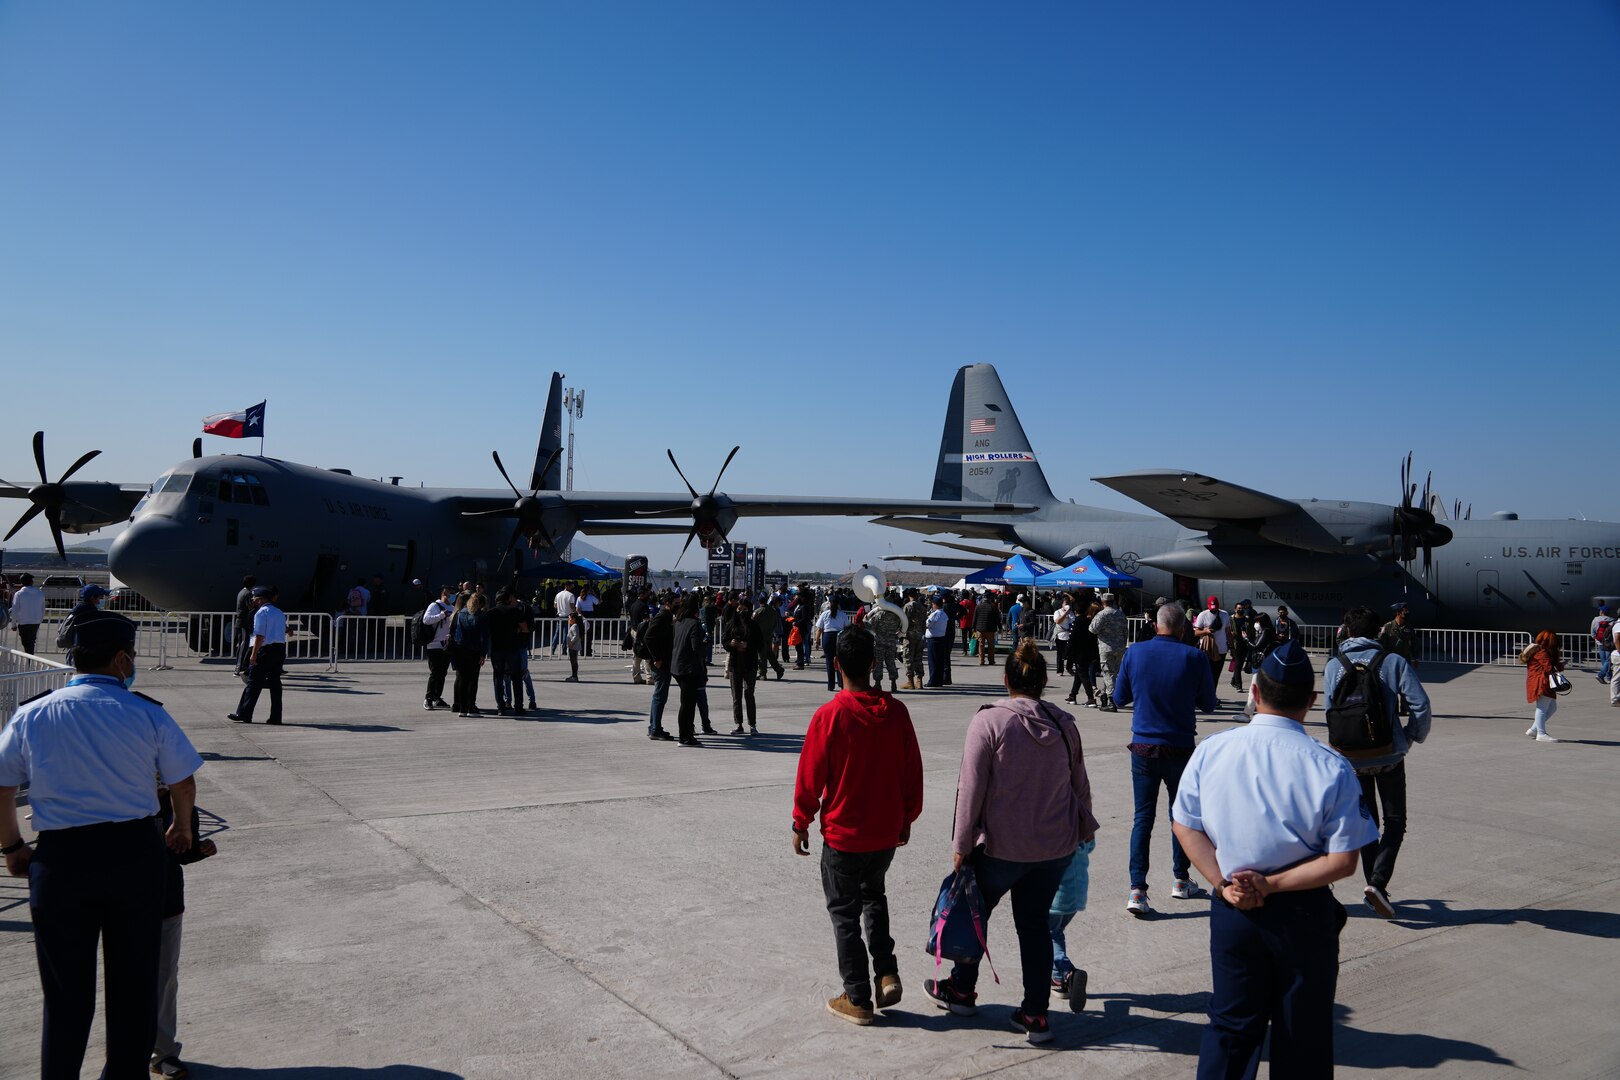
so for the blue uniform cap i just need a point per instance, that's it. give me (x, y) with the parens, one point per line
(261, 590)
(1289, 665)
(104, 628)
(1397, 608)
(91, 591)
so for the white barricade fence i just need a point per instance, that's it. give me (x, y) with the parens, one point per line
(370, 638)
(549, 638)
(23, 676)
(211, 635)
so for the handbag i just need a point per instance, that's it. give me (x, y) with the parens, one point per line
(1557, 684)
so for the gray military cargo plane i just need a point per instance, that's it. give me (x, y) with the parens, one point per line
(208, 521)
(1318, 556)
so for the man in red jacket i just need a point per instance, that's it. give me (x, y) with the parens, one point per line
(861, 769)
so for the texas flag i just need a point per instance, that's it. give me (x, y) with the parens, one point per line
(248, 424)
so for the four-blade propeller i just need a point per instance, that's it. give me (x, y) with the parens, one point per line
(47, 498)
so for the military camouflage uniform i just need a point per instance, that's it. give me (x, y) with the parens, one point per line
(916, 647)
(885, 627)
(1110, 626)
(1400, 640)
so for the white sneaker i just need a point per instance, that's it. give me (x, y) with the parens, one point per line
(1544, 737)
(1531, 732)
(1185, 889)
(1138, 904)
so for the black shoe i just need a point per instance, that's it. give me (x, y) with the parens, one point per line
(428, 705)
(503, 711)
(440, 703)
(275, 722)
(1069, 701)
(752, 730)
(661, 736)
(707, 730)
(239, 719)
(738, 730)
(687, 742)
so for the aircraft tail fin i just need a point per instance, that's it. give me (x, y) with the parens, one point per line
(984, 455)
(550, 441)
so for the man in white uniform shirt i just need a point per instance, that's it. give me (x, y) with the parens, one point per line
(28, 611)
(266, 657)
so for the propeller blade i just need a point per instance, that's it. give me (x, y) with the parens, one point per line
(39, 455)
(517, 530)
(28, 515)
(723, 469)
(56, 534)
(682, 475)
(77, 465)
(496, 454)
(682, 555)
(552, 460)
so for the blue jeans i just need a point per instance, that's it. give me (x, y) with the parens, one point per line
(1032, 884)
(1055, 925)
(829, 649)
(660, 698)
(507, 665)
(1605, 670)
(1146, 776)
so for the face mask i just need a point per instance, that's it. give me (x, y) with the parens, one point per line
(101, 603)
(129, 680)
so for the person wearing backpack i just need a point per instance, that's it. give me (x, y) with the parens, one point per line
(1603, 639)
(1365, 682)
(437, 618)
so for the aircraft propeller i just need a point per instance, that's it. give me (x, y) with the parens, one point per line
(528, 509)
(1413, 527)
(706, 510)
(47, 498)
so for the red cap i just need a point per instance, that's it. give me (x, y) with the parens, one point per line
(1214, 605)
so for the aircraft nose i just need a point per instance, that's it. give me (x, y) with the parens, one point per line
(153, 557)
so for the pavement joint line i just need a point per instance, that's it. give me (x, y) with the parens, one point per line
(533, 934)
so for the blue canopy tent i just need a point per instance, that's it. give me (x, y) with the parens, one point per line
(1090, 572)
(578, 570)
(1018, 570)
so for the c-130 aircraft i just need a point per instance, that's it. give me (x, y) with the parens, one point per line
(1317, 556)
(207, 522)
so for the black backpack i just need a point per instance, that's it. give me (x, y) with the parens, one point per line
(421, 632)
(1358, 720)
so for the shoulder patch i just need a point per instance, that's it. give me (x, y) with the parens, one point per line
(36, 697)
(143, 697)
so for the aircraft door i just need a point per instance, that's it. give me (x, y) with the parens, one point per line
(1488, 588)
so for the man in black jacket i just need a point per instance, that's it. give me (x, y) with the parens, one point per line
(986, 624)
(745, 643)
(659, 642)
(687, 665)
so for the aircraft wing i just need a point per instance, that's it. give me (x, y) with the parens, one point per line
(936, 526)
(1198, 502)
(602, 506)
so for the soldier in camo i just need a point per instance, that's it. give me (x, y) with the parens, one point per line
(916, 647)
(885, 627)
(1109, 626)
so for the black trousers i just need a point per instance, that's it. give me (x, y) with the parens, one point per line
(1060, 646)
(264, 675)
(244, 643)
(101, 882)
(28, 633)
(1278, 967)
(1386, 791)
(465, 691)
(742, 693)
(438, 667)
(691, 686)
(853, 882)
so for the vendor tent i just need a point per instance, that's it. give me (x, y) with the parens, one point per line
(1018, 570)
(1089, 571)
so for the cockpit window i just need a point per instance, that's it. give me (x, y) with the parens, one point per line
(242, 488)
(173, 484)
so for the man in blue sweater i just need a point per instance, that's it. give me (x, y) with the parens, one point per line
(1168, 683)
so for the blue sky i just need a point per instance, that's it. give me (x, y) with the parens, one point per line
(1279, 244)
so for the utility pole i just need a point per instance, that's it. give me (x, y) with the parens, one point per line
(574, 406)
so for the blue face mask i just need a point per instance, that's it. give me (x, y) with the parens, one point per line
(129, 680)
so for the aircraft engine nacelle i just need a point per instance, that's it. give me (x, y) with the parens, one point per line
(1333, 528)
(714, 526)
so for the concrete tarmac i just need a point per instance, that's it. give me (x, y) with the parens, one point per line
(406, 895)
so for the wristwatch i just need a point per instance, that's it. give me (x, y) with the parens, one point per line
(18, 846)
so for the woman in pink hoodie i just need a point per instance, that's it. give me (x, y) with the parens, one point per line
(1023, 805)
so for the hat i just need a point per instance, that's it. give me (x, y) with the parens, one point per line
(1213, 604)
(91, 591)
(1290, 665)
(1397, 608)
(1603, 608)
(102, 628)
(262, 590)
(1108, 598)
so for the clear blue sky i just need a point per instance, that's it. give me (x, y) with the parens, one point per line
(1280, 244)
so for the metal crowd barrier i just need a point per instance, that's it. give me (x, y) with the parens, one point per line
(372, 638)
(22, 676)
